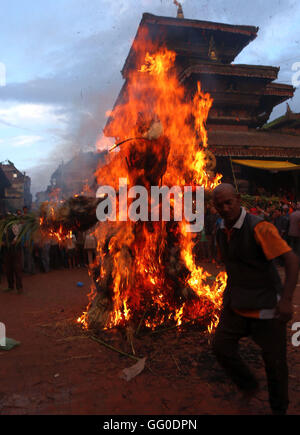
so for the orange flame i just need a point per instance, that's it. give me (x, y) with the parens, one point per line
(155, 107)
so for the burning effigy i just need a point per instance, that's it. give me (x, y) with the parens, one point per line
(145, 274)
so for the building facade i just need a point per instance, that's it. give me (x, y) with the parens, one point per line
(76, 177)
(14, 188)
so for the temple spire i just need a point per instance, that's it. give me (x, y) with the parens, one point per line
(288, 109)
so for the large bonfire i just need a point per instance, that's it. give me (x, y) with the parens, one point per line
(145, 274)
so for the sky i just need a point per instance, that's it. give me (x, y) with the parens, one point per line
(60, 64)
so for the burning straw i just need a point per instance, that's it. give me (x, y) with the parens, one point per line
(145, 275)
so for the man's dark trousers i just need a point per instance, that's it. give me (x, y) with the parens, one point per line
(270, 335)
(13, 267)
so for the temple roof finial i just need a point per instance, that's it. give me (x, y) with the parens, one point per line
(288, 109)
(179, 9)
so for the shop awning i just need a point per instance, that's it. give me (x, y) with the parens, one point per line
(268, 165)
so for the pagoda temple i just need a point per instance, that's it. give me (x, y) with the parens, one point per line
(243, 97)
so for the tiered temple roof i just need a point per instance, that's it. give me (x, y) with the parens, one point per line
(243, 95)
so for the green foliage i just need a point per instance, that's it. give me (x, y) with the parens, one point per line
(29, 225)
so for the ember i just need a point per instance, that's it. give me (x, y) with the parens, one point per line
(146, 275)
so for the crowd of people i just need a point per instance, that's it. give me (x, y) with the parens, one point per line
(40, 252)
(284, 215)
(43, 253)
(48, 252)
